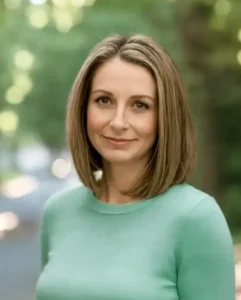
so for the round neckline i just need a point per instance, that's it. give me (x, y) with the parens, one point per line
(111, 208)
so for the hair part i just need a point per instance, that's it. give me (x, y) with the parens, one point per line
(174, 152)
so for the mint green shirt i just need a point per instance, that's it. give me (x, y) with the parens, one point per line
(176, 246)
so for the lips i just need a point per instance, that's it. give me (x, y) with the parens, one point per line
(118, 140)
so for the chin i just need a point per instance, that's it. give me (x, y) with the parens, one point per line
(122, 158)
(117, 159)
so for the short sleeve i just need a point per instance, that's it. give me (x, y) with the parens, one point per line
(206, 256)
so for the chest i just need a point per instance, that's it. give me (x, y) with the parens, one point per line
(119, 260)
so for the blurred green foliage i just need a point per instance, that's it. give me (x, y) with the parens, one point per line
(52, 40)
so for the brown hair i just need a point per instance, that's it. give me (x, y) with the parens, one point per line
(174, 152)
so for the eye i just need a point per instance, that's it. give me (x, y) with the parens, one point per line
(141, 105)
(102, 100)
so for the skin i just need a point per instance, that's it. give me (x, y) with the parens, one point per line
(238, 281)
(122, 105)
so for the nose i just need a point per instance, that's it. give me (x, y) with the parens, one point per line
(119, 121)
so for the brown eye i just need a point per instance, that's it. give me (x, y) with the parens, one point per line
(141, 105)
(103, 100)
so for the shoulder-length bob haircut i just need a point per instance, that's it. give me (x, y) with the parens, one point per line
(173, 156)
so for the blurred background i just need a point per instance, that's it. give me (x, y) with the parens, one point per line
(42, 46)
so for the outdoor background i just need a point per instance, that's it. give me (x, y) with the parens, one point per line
(42, 46)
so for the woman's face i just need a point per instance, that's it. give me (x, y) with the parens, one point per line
(122, 112)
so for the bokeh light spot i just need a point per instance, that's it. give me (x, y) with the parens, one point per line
(14, 95)
(12, 4)
(239, 34)
(8, 121)
(60, 3)
(20, 186)
(38, 16)
(24, 60)
(37, 2)
(61, 168)
(239, 57)
(8, 221)
(63, 19)
(222, 7)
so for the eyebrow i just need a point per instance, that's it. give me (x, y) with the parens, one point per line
(133, 96)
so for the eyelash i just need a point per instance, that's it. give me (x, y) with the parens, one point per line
(98, 100)
(144, 105)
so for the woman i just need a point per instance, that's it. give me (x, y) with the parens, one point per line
(139, 231)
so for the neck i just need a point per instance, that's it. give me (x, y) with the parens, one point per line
(117, 178)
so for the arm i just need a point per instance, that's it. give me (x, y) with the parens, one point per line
(206, 257)
(48, 217)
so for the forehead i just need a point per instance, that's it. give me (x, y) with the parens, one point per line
(118, 73)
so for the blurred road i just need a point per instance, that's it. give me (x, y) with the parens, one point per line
(19, 267)
(20, 248)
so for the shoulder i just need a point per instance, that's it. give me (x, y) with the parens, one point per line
(186, 200)
(198, 215)
(64, 199)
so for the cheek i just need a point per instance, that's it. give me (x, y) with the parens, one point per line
(147, 127)
(93, 120)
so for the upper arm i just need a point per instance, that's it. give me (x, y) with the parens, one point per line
(46, 225)
(206, 261)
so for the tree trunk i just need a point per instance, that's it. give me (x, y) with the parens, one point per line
(192, 24)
